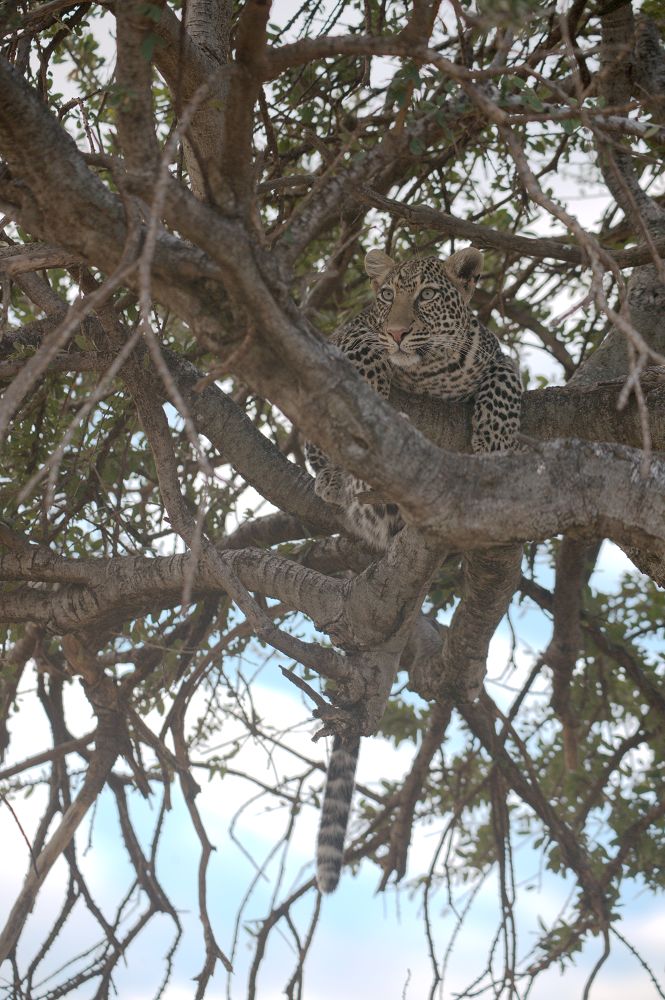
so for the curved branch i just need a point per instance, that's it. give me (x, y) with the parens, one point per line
(27, 257)
(288, 486)
(587, 412)
(60, 199)
(616, 86)
(109, 740)
(136, 129)
(539, 248)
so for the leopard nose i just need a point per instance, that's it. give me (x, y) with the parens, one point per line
(397, 332)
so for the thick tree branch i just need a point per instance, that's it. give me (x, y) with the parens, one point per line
(616, 86)
(60, 199)
(208, 24)
(183, 62)
(24, 258)
(421, 217)
(574, 564)
(261, 465)
(236, 138)
(649, 688)
(136, 129)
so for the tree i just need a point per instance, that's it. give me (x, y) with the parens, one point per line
(184, 223)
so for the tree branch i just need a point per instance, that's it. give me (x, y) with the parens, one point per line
(109, 740)
(136, 129)
(421, 217)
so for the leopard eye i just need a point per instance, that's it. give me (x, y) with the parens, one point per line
(428, 294)
(386, 295)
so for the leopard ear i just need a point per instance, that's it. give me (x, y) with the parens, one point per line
(466, 267)
(377, 265)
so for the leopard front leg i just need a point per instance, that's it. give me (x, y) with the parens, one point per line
(364, 352)
(331, 482)
(374, 523)
(363, 349)
(497, 406)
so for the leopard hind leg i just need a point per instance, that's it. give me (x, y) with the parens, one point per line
(374, 523)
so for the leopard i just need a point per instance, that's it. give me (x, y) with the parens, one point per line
(419, 335)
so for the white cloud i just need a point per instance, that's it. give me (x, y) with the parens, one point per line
(361, 935)
(612, 563)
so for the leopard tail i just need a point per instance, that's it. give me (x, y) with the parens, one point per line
(335, 812)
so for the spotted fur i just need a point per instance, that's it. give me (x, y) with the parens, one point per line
(421, 336)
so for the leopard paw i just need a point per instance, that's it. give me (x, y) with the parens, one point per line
(330, 486)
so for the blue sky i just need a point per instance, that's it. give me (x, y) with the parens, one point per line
(360, 934)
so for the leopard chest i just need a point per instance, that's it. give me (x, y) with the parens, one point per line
(445, 380)
(449, 370)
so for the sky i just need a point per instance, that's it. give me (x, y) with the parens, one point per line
(366, 944)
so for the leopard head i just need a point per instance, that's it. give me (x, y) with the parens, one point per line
(423, 301)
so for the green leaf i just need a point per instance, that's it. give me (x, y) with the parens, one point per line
(152, 11)
(531, 98)
(148, 46)
(570, 125)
